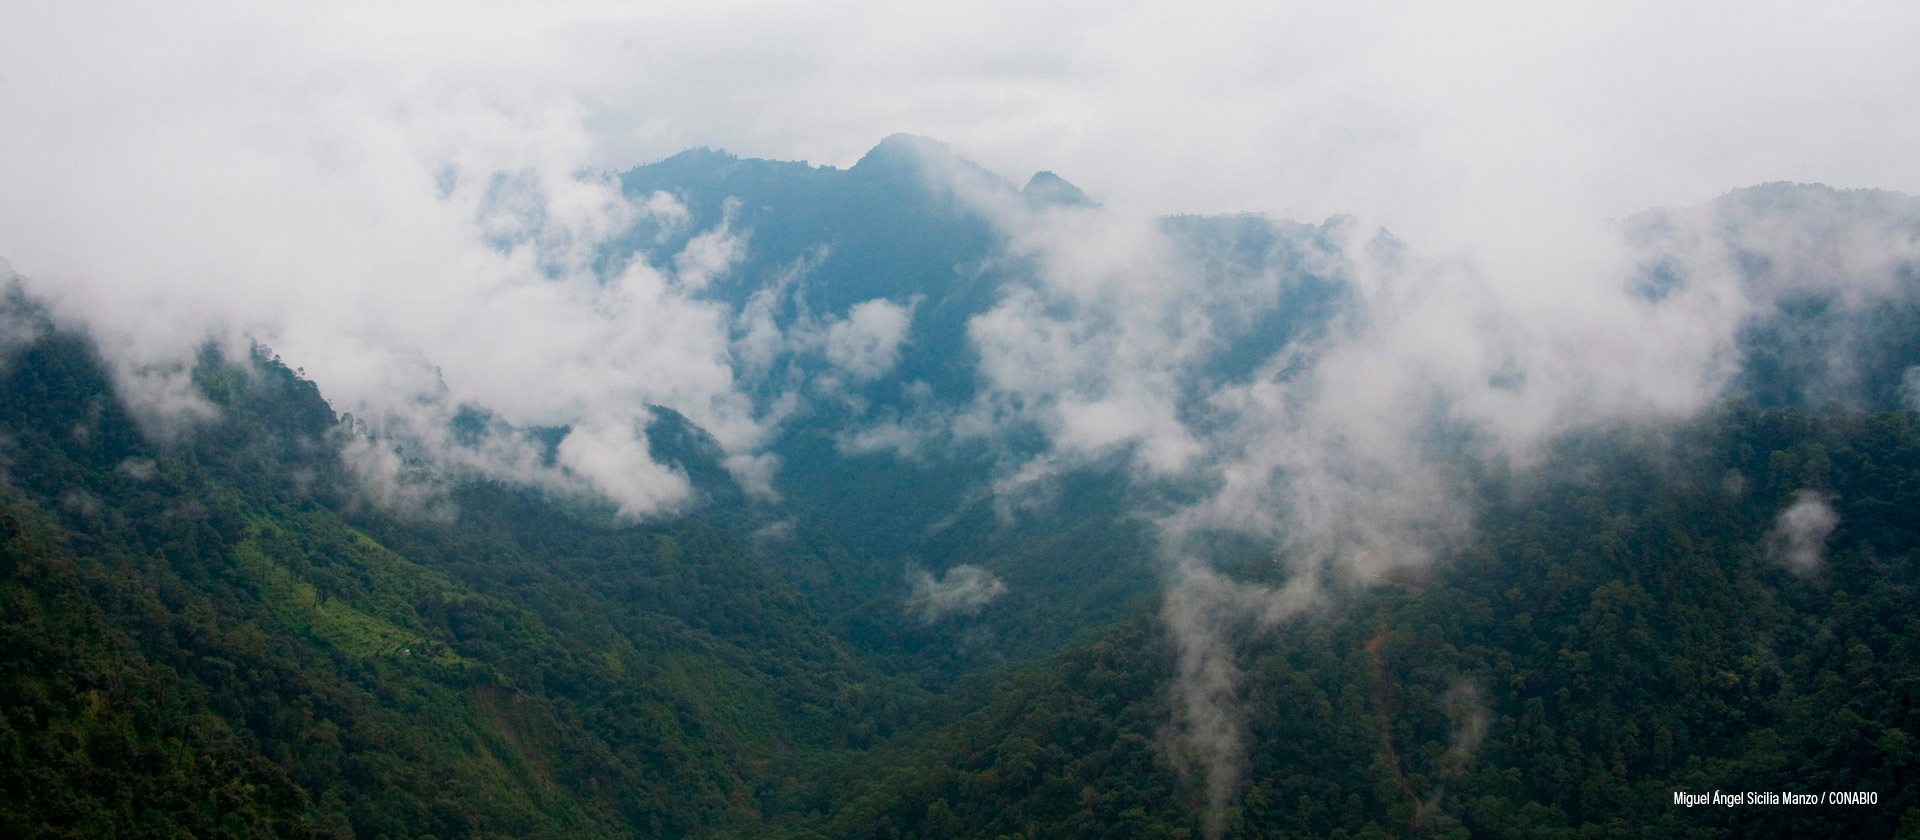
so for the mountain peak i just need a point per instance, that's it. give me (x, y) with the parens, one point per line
(703, 154)
(1046, 189)
(903, 148)
(929, 164)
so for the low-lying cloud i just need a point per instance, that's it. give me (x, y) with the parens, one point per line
(866, 343)
(1348, 449)
(962, 590)
(407, 206)
(414, 244)
(1467, 710)
(1799, 536)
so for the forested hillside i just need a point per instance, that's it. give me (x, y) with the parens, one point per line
(1618, 632)
(214, 637)
(990, 421)
(929, 583)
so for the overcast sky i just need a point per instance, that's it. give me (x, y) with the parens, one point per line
(1401, 112)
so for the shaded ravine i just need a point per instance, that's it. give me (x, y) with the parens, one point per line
(1383, 700)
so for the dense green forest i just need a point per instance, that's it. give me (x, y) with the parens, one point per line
(1605, 642)
(216, 629)
(213, 637)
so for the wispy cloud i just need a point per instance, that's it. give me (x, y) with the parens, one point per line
(404, 201)
(1346, 448)
(961, 590)
(1799, 536)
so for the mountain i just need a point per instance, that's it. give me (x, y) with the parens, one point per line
(198, 639)
(235, 627)
(1832, 273)
(1623, 631)
(960, 248)
(1046, 189)
(218, 638)
(915, 225)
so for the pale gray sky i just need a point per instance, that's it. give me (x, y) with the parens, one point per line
(1391, 110)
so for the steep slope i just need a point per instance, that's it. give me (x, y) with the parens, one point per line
(215, 637)
(1624, 628)
(1815, 287)
(226, 628)
(1832, 276)
(916, 225)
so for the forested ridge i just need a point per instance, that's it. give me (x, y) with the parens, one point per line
(1605, 641)
(214, 634)
(215, 638)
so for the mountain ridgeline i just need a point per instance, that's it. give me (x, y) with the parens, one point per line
(218, 629)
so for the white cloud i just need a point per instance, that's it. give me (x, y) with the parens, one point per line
(1344, 450)
(1799, 535)
(374, 201)
(891, 436)
(381, 183)
(611, 455)
(866, 343)
(402, 199)
(961, 590)
(710, 253)
(136, 468)
(1465, 703)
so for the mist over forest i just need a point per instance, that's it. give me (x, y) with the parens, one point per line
(472, 426)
